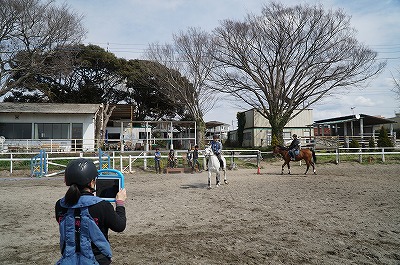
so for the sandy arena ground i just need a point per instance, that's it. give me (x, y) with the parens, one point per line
(346, 214)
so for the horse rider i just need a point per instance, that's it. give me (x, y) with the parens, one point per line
(294, 147)
(216, 147)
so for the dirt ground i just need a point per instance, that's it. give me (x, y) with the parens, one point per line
(346, 214)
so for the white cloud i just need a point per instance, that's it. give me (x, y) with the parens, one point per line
(363, 101)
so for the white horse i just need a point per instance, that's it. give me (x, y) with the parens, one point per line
(214, 166)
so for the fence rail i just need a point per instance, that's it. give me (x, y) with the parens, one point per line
(127, 161)
(123, 161)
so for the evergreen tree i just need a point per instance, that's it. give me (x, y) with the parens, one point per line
(383, 138)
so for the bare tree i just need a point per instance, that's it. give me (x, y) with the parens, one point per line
(396, 88)
(189, 63)
(102, 117)
(28, 30)
(288, 58)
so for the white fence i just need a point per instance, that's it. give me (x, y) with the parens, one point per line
(122, 161)
(362, 154)
(127, 161)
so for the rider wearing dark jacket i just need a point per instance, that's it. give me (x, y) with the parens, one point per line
(80, 175)
(216, 147)
(294, 147)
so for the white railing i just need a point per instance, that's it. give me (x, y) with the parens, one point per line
(122, 161)
(363, 154)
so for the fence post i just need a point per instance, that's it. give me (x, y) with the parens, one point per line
(145, 160)
(113, 159)
(130, 163)
(233, 165)
(120, 163)
(360, 156)
(337, 156)
(11, 164)
(383, 154)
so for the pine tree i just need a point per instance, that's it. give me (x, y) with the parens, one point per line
(383, 138)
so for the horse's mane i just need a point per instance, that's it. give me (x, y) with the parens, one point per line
(281, 147)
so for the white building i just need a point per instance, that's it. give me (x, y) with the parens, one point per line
(258, 133)
(71, 127)
(216, 127)
(35, 125)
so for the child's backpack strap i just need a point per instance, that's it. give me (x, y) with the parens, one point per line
(89, 233)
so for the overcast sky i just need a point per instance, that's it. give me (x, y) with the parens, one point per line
(126, 27)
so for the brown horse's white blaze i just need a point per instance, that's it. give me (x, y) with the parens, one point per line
(305, 154)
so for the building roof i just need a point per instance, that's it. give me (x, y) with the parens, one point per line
(367, 120)
(54, 108)
(213, 124)
(123, 112)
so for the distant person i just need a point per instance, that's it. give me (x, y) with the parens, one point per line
(189, 157)
(294, 147)
(195, 158)
(157, 161)
(85, 219)
(171, 158)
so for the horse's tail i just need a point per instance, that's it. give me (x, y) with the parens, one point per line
(314, 156)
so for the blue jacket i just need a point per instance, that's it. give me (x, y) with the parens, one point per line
(157, 155)
(216, 147)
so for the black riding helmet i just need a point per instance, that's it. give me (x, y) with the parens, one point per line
(80, 172)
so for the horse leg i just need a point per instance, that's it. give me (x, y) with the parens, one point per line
(209, 179)
(313, 167)
(308, 166)
(283, 167)
(288, 166)
(225, 180)
(218, 177)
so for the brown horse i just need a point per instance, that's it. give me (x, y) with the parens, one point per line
(307, 154)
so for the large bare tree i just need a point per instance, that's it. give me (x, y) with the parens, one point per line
(288, 58)
(28, 30)
(396, 82)
(189, 63)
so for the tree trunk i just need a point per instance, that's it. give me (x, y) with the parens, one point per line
(102, 117)
(201, 129)
(277, 126)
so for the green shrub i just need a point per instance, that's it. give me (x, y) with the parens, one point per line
(274, 141)
(354, 144)
(383, 138)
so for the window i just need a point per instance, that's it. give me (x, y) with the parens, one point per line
(51, 130)
(247, 136)
(287, 136)
(142, 135)
(16, 130)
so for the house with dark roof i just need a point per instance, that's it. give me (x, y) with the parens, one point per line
(360, 127)
(47, 125)
(72, 127)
